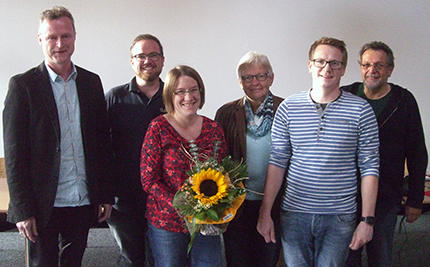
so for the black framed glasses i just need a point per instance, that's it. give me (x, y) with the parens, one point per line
(378, 66)
(261, 77)
(192, 91)
(321, 63)
(153, 56)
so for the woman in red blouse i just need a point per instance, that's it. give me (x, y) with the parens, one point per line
(164, 165)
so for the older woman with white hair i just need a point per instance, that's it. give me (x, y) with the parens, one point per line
(247, 124)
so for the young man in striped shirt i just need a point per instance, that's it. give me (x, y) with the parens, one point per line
(321, 140)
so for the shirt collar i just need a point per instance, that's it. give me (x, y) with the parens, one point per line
(54, 76)
(133, 88)
(133, 85)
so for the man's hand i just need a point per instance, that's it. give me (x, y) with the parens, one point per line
(104, 212)
(28, 229)
(363, 234)
(266, 228)
(412, 214)
(274, 179)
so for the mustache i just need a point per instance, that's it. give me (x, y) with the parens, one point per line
(148, 65)
(373, 76)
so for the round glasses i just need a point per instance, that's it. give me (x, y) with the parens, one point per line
(153, 56)
(261, 77)
(321, 63)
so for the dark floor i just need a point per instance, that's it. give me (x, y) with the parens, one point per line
(412, 246)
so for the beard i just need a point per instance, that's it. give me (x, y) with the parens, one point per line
(373, 85)
(148, 77)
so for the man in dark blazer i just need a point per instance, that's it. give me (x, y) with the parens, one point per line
(57, 149)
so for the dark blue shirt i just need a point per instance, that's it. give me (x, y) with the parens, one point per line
(130, 112)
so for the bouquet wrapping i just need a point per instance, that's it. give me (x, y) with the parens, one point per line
(212, 193)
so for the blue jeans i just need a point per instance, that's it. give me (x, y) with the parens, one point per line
(380, 249)
(170, 249)
(316, 239)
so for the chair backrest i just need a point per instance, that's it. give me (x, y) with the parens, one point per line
(4, 192)
(2, 169)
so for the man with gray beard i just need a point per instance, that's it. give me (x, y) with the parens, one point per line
(401, 139)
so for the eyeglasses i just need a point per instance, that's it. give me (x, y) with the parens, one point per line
(261, 77)
(193, 91)
(153, 56)
(377, 66)
(321, 63)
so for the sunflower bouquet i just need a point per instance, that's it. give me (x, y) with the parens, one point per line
(213, 192)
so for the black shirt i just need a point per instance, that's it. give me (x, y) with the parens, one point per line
(130, 112)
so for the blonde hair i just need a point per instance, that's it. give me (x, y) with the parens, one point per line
(55, 13)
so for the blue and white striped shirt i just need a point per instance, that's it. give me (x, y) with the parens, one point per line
(324, 152)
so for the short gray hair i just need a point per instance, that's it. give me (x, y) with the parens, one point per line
(377, 46)
(253, 58)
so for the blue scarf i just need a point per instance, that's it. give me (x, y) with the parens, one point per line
(265, 110)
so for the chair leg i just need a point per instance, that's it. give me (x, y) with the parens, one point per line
(27, 252)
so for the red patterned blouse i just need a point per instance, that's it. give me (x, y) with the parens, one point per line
(163, 165)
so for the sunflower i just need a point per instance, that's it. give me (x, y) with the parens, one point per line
(210, 186)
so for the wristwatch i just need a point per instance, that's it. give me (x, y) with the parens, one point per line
(369, 220)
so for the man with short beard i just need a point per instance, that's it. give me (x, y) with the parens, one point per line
(131, 107)
(401, 138)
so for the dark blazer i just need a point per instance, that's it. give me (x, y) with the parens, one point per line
(32, 143)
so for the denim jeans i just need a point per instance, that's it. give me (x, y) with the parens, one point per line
(169, 249)
(316, 239)
(380, 249)
(129, 231)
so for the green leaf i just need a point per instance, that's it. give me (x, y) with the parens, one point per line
(187, 211)
(213, 215)
(181, 207)
(201, 215)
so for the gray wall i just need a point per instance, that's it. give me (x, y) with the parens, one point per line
(212, 36)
